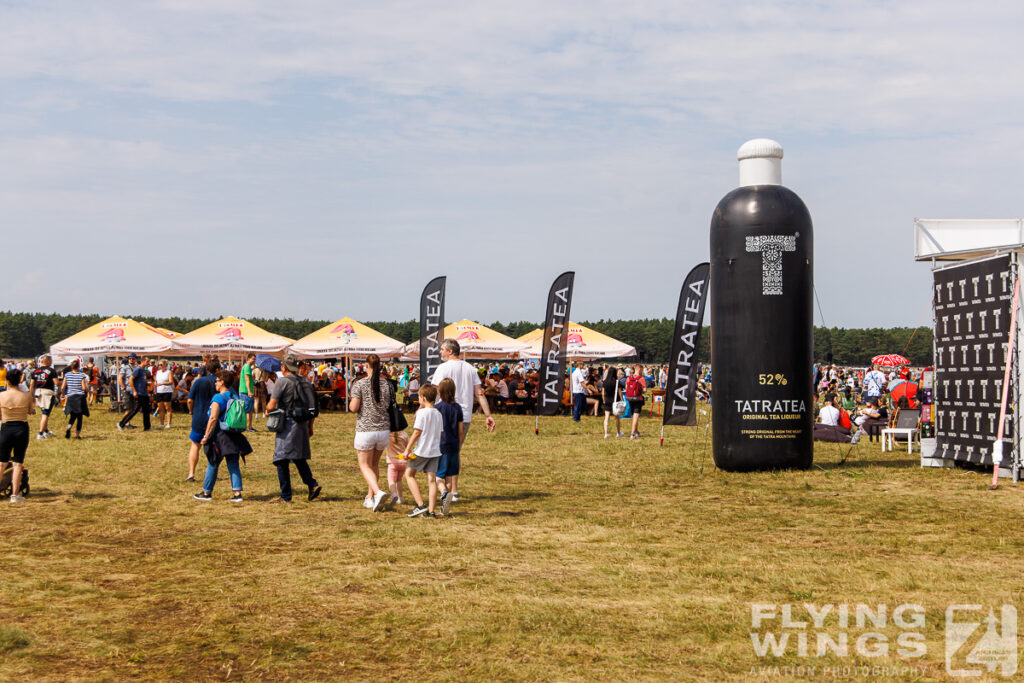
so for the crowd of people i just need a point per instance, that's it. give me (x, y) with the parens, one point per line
(854, 400)
(222, 399)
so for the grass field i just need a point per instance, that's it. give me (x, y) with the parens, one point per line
(571, 557)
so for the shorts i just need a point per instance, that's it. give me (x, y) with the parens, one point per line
(428, 465)
(163, 397)
(13, 442)
(449, 465)
(45, 400)
(196, 437)
(372, 441)
(636, 405)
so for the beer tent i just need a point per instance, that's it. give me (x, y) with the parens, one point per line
(583, 343)
(115, 336)
(346, 338)
(232, 336)
(475, 341)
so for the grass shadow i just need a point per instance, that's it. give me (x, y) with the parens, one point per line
(905, 463)
(523, 495)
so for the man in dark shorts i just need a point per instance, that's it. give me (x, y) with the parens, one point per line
(140, 393)
(199, 397)
(44, 390)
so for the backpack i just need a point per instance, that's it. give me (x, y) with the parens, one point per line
(7, 480)
(634, 388)
(305, 407)
(234, 419)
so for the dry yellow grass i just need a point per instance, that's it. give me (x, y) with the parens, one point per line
(571, 558)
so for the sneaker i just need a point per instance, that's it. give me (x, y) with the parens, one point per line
(49, 433)
(18, 498)
(430, 515)
(620, 434)
(279, 501)
(236, 497)
(314, 492)
(40, 436)
(455, 498)
(634, 436)
(188, 479)
(368, 503)
(607, 435)
(67, 434)
(203, 495)
(130, 427)
(855, 439)
(395, 500)
(418, 510)
(167, 426)
(446, 504)
(379, 500)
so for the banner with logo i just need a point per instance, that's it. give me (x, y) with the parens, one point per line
(431, 324)
(554, 345)
(682, 368)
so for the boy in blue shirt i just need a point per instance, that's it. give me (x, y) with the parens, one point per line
(451, 439)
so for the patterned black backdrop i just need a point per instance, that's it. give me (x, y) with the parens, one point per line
(972, 322)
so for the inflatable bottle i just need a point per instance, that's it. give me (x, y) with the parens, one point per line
(762, 335)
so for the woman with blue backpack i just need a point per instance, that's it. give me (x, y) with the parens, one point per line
(224, 438)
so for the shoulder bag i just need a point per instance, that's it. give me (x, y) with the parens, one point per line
(395, 415)
(619, 406)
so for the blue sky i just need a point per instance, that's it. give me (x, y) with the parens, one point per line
(321, 159)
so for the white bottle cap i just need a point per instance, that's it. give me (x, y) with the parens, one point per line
(760, 162)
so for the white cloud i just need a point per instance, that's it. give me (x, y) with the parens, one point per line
(538, 135)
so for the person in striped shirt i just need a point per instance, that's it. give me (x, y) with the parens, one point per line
(75, 387)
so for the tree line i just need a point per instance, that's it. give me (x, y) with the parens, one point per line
(24, 335)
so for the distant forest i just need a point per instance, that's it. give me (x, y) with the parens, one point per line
(23, 335)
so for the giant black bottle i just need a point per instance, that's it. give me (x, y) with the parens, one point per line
(762, 337)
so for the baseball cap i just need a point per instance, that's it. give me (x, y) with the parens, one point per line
(290, 362)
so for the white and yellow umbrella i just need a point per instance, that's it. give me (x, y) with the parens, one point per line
(115, 336)
(347, 338)
(475, 341)
(231, 335)
(583, 343)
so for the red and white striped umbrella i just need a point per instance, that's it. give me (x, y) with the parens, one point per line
(890, 360)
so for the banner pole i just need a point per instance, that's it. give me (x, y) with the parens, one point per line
(536, 424)
(662, 435)
(997, 447)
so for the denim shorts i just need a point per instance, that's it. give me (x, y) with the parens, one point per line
(196, 437)
(449, 465)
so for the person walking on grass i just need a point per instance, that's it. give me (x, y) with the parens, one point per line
(609, 387)
(451, 441)
(291, 445)
(577, 380)
(635, 388)
(247, 387)
(164, 393)
(221, 443)
(15, 407)
(44, 389)
(75, 386)
(425, 444)
(199, 397)
(139, 388)
(371, 397)
(467, 386)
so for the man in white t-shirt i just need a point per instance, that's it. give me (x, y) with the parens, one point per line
(829, 414)
(579, 395)
(467, 383)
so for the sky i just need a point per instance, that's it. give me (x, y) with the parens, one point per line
(317, 159)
